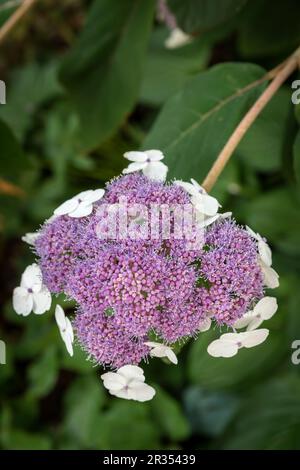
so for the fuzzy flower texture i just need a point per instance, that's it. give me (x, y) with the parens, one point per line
(137, 296)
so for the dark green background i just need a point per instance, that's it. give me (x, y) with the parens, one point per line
(87, 81)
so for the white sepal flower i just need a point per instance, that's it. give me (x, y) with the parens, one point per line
(210, 220)
(205, 325)
(31, 295)
(161, 350)
(65, 328)
(80, 205)
(128, 383)
(270, 276)
(177, 38)
(263, 310)
(203, 202)
(149, 162)
(229, 343)
(30, 238)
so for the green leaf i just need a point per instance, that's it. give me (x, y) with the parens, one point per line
(6, 10)
(194, 125)
(103, 71)
(198, 16)
(263, 145)
(296, 151)
(83, 403)
(166, 71)
(280, 205)
(248, 366)
(209, 412)
(127, 426)
(259, 38)
(13, 162)
(43, 374)
(22, 440)
(269, 419)
(29, 87)
(169, 415)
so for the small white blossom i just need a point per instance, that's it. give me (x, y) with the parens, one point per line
(270, 276)
(229, 343)
(177, 38)
(65, 328)
(203, 202)
(210, 220)
(161, 350)
(31, 295)
(205, 325)
(128, 383)
(149, 162)
(80, 205)
(263, 310)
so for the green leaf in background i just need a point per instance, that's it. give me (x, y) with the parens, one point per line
(198, 16)
(169, 416)
(13, 162)
(43, 373)
(209, 412)
(166, 71)
(248, 366)
(268, 28)
(103, 71)
(7, 7)
(83, 403)
(29, 87)
(280, 205)
(263, 145)
(194, 125)
(296, 151)
(269, 419)
(18, 439)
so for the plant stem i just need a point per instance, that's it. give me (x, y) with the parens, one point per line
(280, 74)
(10, 189)
(15, 18)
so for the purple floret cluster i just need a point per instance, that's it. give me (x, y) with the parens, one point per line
(130, 291)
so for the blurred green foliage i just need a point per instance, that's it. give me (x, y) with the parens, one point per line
(87, 81)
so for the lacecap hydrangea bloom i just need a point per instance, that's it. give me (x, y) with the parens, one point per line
(149, 263)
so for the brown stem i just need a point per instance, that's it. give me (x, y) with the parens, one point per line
(10, 189)
(15, 18)
(280, 74)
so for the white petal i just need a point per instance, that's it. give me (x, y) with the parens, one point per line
(270, 276)
(32, 278)
(154, 155)
(266, 307)
(206, 221)
(60, 317)
(140, 391)
(231, 337)
(156, 171)
(41, 301)
(254, 323)
(205, 325)
(254, 338)
(139, 157)
(171, 356)
(206, 204)
(30, 237)
(22, 301)
(69, 329)
(132, 167)
(244, 321)
(219, 348)
(83, 195)
(188, 187)
(265, 252)
(83, 210)
(69, 344)
(253, 234)
(66, 207)
(177, 38)
(198, 187)
(131, 372)
(113, 381)
(152, 344)
(94, 196)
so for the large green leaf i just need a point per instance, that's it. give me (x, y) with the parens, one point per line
(194, 125)
(166, 71)
(43, 373)
(104, 69)
(270, 27)
(241, 370)
(269, 419)
(203, 15)
(264, 143)
(13, 162)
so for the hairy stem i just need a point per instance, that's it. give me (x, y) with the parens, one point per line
(15, 18)
(279, 75)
